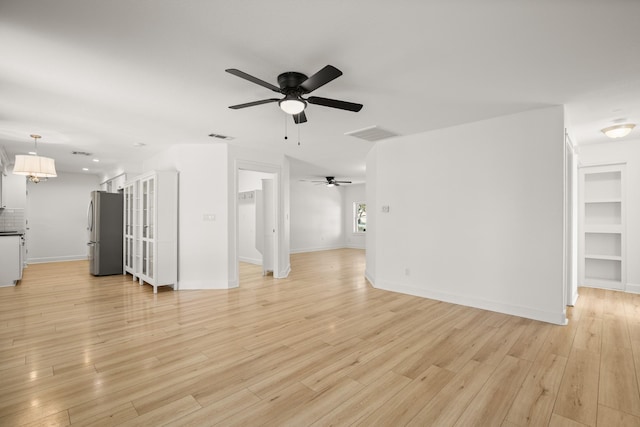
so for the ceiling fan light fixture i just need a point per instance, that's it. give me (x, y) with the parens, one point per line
(292, 105)
(618, 131)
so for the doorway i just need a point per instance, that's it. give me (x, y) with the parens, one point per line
(258, 232)
(256, 219)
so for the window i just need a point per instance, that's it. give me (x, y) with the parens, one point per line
(359, 217)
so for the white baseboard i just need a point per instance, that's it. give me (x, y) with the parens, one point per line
(575, 300)
(369, 277)
(633, 288)
(316, 249)
(511, 309)
(193, 285)
(56, 259)
(255, 261)
(285, 273)
(355, 246)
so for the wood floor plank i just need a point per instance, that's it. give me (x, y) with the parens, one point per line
(589, 334)
(218, 411)
(534, 402)
(578, 395)
(611, 417)
(321, 346)
(447, 406)
(403, 407)
(365, 401)
(490, 405)
(618, 384)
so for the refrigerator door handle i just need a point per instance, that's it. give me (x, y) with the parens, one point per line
(90, 216)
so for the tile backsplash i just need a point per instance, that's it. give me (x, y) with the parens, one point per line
(11, 219)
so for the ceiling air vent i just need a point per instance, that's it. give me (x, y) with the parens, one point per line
(80, 153)
(373, 133)
(216, 135)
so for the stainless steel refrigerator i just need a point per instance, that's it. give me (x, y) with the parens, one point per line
(105, 233)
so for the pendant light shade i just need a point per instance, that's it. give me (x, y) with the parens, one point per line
(33, 166)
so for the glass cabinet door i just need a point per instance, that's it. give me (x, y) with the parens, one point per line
(148, 215)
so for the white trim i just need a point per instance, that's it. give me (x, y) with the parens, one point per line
(558, 318)
(284, 274)
(575, 300)
(369, 278)
(57, 259)
(205, 284)
(633, 288)
(255, 261)
(317, 249)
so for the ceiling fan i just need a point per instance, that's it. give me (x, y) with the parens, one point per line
(293, 86)
(330, 181)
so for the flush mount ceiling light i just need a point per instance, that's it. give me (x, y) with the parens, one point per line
(618, 131)
(33, 166)
(292, 104)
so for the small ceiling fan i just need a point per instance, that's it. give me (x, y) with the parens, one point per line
(330, 181)
(293, 86)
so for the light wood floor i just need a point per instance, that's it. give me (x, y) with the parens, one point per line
(319, 348)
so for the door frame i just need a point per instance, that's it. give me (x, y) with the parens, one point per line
(276, 171)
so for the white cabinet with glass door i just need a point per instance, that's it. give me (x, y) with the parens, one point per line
(154, 235)
(131, 234)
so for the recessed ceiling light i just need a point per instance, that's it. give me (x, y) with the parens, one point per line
(85, 169)
(139, 144)
(96, 160)
(33, 153)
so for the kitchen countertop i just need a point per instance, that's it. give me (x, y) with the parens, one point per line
(11, 233)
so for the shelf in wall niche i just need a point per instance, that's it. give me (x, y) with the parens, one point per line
(606, 213)
(603, 184)
(603, 257)
(604, 200)
(603, 228)
(602, 269)
(603, 244)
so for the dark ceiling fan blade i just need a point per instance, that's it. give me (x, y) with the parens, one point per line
(300, 118)
(251, 104)
(252, 79)
(334, 103)
(342, 182)
(320, 78)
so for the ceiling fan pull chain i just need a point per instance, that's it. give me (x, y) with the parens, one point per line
(285, 128)
(298, 134)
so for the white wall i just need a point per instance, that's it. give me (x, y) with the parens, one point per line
(57, 217)
(202, 245)
(352, 194)
(316, 217)
(627, 151)
(479, 218)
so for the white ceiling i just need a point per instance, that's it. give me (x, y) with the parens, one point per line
(100, 76)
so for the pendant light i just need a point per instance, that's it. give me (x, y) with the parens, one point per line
(33, 166)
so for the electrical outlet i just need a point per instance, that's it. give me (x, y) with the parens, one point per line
(209, 217)
(385, 208)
